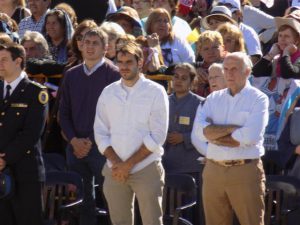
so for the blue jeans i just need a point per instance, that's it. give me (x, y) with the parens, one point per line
(89, 168)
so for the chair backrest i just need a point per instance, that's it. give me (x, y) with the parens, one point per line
(61, 189)
(180, 191)
(281, 193)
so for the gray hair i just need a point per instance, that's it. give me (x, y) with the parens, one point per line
(112, 29)
(247, 63)
(38, 39)
(216, 65)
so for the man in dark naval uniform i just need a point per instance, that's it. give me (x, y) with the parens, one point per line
(23, 108)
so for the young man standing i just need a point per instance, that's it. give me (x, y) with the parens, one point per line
(23, 109)
(130, 128)
(81, 89)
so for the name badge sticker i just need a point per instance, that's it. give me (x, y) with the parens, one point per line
(184, 120)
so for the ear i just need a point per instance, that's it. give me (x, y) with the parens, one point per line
(140, 64)
(18, 61)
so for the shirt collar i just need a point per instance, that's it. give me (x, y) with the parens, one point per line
(15, 83)
(138, 83)
(42, 17)
(89, 72)
(242, 91)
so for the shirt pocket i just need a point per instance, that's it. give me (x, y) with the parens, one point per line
(240, 118)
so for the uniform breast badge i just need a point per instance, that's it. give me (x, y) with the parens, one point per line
(43, 97)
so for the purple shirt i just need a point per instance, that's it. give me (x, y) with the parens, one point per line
(80, 95)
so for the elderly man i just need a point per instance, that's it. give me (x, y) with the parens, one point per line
(233, 122)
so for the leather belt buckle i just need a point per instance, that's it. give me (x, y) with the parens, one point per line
(229, 163)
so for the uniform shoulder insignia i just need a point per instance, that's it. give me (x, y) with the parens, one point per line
(38, 84)
(43, 97)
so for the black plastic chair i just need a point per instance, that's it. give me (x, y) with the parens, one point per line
(179, 195)
(63, 194)
(282, 198)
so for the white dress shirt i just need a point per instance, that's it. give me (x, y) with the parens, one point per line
(14, 84)
(197, 131)
(248, 109)
(126, 120)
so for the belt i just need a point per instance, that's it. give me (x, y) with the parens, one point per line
(229, 163)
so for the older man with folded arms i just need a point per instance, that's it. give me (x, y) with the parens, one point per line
(233, 122)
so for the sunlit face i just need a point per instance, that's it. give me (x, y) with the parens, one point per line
(235, 74)
(129, 66)
(216, 79)
(286, 37)
(212, 52)
(162, 26)
(143, 7)
(53, 28)
(215, 21)
(8, 66)
(111, 48)
(181, 81)
(32, 50)
(229, 43)
(92, 48)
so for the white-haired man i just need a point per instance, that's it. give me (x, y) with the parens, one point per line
(233, 122)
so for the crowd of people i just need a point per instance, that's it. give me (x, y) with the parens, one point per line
(235, 70)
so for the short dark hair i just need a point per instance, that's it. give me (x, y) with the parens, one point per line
(98, 32)
(189, 67)
(132, 48)
(16, 51)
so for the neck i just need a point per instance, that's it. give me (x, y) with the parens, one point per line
(13, 77)
(131, 83)
(234, 91)
(37, 17)
(180, 95)
(91, 63)
(57, 41)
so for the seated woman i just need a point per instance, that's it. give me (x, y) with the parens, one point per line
(210, 48)
(58, 32)
(232, 37)
(9, 26)
(284, 55)
(174, 49)
(114, 31)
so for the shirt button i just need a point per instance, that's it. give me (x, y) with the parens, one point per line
(18, 113)
(28, 152)
(0, 124)
(3, 113)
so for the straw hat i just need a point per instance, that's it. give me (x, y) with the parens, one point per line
(222, 11)
(292, 20)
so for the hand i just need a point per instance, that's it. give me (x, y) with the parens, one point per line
(202, 76)
(275, 50)
(2, 161)
(290, 49)
(175, 138)
(297, 151)
(120, 171)
(81, 147)
(153, 40)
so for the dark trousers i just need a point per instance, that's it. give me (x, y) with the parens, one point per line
(24, 207)
(89, 169)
